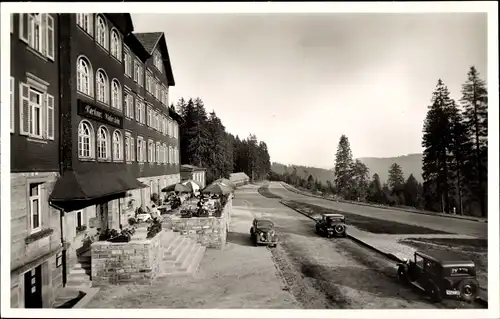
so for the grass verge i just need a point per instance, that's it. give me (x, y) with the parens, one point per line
(373, 225)
(264, 191)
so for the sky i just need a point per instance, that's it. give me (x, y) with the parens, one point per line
(300, 81)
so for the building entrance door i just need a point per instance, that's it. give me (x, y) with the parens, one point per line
(33, 288)
(102, 214)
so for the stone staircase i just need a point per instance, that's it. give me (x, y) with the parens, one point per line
(80, 276)
(181, 256)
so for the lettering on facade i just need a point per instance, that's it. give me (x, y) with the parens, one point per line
(98, 113)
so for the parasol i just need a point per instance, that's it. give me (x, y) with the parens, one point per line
(216, 188)
(191, 185)
(179, 187)
(226, 182)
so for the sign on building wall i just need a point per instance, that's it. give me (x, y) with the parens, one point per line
(100, 114)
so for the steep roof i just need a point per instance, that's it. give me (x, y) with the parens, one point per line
(190, 168)
(238, 176)
(151, 40)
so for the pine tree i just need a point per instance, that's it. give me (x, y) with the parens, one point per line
(437, 141)
(475, 103)
(375, 190)
(343, 166)
(396, 179)
(360, 181)
(411, 191)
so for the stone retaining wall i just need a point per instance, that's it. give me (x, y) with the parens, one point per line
(210, 232)
(137, 261)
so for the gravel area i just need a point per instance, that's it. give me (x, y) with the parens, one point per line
(373, 225)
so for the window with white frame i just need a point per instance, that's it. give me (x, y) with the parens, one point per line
(35, 206)
(138, 73)
(132, 149)
(116, 45)
(157, 89)
(149, 82)
(37, 30)
(176, 130)
(149, 114)
(151, 151)
(116, 95)
(165, 153)
(102, 87)
(117, 146)
(103, 143)
(158, 156)
(84, 77)
(140, 149)
(143, 112)
(84, 21)
(85, 140)
(127, 58)
(36, 111)
(101, 32)
(170, 156)
(12, 103)
(127, 147)
(155, 120)
(129, 105)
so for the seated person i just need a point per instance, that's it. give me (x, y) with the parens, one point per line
(154, 211)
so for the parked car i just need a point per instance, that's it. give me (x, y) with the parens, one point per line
(331, 225)
(441, 276)
(263, 232)
(144, 217)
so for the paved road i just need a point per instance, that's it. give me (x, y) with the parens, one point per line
(451, 225)
(330, 273)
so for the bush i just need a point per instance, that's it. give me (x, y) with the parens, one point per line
(132, 221)
(154, 228)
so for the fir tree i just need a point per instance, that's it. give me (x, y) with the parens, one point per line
(343, 167)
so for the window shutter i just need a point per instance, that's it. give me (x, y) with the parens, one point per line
(50, 36)
(50, 117)
(24, 108)
(137, 111)
(23, 26)
(12, 103)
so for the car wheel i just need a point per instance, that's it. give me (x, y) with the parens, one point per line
(433, 292)
(402, 275)
(339, 229)
(468, 290)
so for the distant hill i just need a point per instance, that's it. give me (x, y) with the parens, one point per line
(411, 164)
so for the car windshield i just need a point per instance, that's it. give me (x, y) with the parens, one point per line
(264, 224)
(334, 219)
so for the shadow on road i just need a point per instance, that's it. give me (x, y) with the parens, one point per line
(237, 238)
(360, 279)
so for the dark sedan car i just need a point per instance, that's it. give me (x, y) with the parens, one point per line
(263, 233)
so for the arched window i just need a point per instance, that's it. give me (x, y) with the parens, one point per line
(84, 81)
(85, 140)
(102, 143)
(116, 45)
(102, 87)
(116, 95)
(102, 32)
(117, 146)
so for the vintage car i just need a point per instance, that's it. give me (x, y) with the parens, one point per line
(441, 276)
(331, 225)
(263, 232)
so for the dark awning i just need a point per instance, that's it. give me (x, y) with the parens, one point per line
(75, 190)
